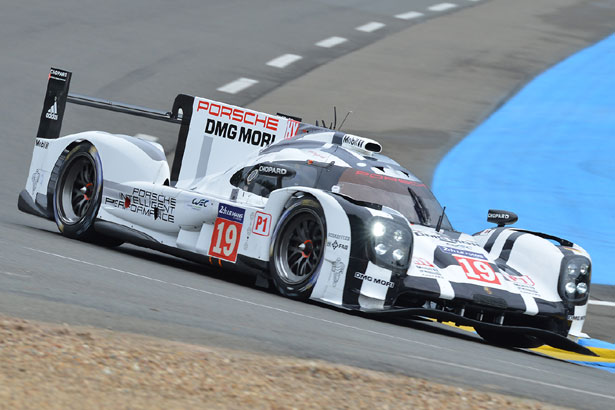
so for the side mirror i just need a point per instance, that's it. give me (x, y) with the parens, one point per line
(501, 218)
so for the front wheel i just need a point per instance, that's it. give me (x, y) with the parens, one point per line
(298, 248)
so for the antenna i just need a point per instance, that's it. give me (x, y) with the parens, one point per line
(334, 117)
(344, 120)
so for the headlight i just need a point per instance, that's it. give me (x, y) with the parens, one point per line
(381, 249)
(398, 235)
(398, 255)
(574, 279)
(378, 229)
(390, 243)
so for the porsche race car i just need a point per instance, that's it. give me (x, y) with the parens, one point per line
(312, 211)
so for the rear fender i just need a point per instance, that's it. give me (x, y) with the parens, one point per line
(123, 158)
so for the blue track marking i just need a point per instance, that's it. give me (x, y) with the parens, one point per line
(548, 155)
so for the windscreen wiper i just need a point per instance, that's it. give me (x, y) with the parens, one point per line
(419, 207)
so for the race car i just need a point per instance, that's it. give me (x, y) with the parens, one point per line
(312, 211)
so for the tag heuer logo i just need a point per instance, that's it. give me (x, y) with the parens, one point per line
(52, 113)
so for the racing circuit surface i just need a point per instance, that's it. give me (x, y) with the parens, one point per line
(434, 77)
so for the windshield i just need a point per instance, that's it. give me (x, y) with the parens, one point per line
(411, 198)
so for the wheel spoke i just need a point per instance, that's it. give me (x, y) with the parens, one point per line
(302, 247)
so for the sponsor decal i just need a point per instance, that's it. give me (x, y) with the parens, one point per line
(272, 170)
(41, 143)
(291, 129)
(364, 277)
(572, 317)
(238, 115)
(198, 204)
(251, 176)
(201, 203)
(58, 75)
(444, 238)
(337, 269)
(146, 203)
(317, 154)
(426, 268)
(524, 284)
(262, 224)
(478, 270)
(52, 112)
(388, 178)
(338, 236)
(227, 232)
(335, 244)
(338, 241)
(240, 134)
(498, 216)
(461, 252)
(353, 141)
(37, 180)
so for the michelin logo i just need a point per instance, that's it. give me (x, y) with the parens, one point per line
(52, 113)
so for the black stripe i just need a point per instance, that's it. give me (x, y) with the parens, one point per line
(483, 294)
(508, 245)
(566, 252)
(489, 245)
(185, 103)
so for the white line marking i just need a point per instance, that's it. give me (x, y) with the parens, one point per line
(331, 42)
(442, 7)
(284, 60)
(238, 85)
(14, 274)
(409, 15)
(510, 376)
(370, 27)
(601, 303)
(461, 366)
(240, 300)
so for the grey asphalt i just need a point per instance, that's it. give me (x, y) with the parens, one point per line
(146, 54)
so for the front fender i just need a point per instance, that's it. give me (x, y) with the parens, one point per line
(538, 258)
(329, 286)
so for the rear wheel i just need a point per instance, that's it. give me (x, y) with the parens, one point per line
(298, 248)
(78, 193)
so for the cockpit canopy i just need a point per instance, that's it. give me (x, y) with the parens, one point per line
(410, 197)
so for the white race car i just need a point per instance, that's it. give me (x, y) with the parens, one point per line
(314, 212)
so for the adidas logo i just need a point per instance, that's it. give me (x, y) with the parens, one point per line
(52, 113)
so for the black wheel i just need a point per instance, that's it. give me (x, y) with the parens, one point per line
(298, 248)
(506, 339)
(78, 193)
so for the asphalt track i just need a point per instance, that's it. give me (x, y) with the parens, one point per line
(145, 55)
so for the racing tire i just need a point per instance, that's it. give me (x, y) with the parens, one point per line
(505, 339)
(298, 248)
(78, 194)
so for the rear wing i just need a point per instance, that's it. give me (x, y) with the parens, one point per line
(212, 134)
